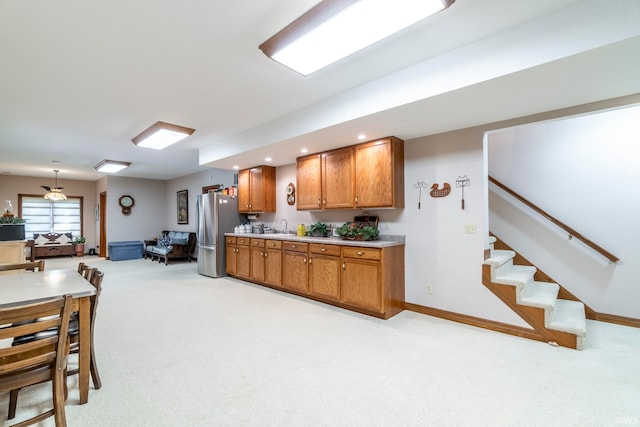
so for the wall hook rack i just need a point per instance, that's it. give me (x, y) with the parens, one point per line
(420, 185)
(462, 182)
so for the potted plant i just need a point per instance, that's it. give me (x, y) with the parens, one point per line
(79, 245)
(355, 231)
(319, 230)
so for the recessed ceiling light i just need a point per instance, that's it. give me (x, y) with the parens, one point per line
(161, 135)
(111, 166)
(267, 159)
(304, 150)
(236, 167)
(362, 136)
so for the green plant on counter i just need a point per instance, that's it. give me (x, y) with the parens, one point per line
(352, 230)
(11, 220)
(319, 229)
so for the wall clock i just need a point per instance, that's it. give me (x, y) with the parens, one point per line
(126, 203)
(291, 194)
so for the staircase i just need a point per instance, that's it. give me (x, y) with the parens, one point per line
(557, 321)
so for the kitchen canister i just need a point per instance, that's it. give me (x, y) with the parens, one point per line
(301, 230)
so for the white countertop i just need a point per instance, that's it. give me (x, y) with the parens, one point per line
(382, 242)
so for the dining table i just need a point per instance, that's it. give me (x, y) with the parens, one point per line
(24, 287)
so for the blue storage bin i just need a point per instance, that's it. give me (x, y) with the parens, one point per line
(132, 249)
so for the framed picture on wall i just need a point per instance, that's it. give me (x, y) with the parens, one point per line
(183, 206)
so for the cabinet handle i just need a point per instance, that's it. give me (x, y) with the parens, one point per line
(324, 202)
(304, 260)
(310, 261)
(344, 266)
(264, 254)
(318, 202)
(322, 249)
(356, 200)
(293, 246)
(360, 253)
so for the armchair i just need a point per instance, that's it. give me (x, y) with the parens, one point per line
(172, 245)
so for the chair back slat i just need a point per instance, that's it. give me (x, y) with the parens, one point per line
(31, 266)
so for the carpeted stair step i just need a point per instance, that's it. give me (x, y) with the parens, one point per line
(516, 275)
(492, 241)
(540, 294)
(499, 258)
(568, 316)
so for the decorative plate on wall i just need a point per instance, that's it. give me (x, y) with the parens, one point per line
(291, 194)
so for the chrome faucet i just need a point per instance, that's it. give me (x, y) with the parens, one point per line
(286, 225)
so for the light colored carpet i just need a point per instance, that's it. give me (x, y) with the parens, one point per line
(179, 349)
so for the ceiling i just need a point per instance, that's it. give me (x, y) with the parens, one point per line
(80, 79)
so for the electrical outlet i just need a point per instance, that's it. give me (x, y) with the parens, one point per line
(470, 229)
(429, 288)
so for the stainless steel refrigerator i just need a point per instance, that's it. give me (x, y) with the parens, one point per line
(217, 214)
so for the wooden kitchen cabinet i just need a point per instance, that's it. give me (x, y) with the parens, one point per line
(257, 259)
(266, 261)
(324, 271)
(367, 175)
(295, 274)
(309, 182)
(230, 255)
(362, 278)
(379, 177)
(326, 180)
(338, 179)
(366, 279)
(257, 189)
(243, 258)
(273, 262)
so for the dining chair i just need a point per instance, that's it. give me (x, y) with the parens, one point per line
(43, 359)
(85, 271)
(96, 281)
(31, 266)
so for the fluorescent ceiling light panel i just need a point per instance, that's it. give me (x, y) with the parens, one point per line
(161, 135)
(111, 166)
(334, 29)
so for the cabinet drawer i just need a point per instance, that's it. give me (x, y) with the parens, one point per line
(244, 241)
(273, 244)
(316, 248)
(230, 240)
(361, 253)
(257, 243)
(295, 246)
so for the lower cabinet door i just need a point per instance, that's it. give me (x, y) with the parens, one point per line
(230, 259)
(361, 284)
(273, 267)
(257, 264)
(294, 271)
(243, 261)
(324, 276)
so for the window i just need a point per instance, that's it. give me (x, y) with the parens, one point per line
(48, 216)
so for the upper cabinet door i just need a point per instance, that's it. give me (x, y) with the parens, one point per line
(308, 182)
(257, 189)
(338, 178)
(380, 174)
(243, 191)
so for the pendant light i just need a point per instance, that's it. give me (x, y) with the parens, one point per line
(54, 193)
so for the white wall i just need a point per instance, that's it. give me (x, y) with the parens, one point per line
(147, 218)
(193, 183)
(437, 249)
(585, 172)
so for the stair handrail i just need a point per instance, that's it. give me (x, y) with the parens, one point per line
(572, 233)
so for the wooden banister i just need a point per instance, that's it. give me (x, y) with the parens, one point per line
(572, 233)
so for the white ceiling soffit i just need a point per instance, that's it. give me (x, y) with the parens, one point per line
(582, 27)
